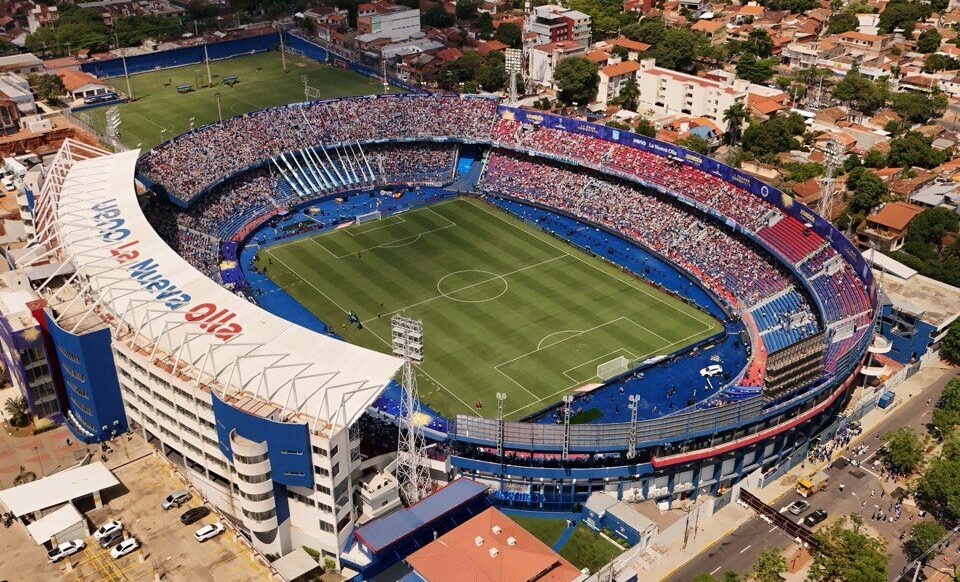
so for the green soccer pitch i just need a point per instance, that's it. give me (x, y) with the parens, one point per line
(262, 83)
(505, 307)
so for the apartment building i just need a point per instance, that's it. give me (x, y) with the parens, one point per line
(664, 91)
(385, 20)
(551, 23)
(543, 59)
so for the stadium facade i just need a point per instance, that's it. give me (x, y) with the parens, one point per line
(263, 416)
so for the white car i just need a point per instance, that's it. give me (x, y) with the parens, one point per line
(711, 371)
(65, 549)
(124, 548)
(208, 531)
(107, 529)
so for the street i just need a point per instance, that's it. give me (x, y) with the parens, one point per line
(860, 493)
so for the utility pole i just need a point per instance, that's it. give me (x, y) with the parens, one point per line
(219, 111)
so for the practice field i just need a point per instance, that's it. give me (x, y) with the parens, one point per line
(262, 83)
(505, 307)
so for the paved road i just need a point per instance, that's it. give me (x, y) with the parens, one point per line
(738, 551)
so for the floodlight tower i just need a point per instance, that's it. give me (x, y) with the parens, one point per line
(832, 152)
(412, 470)
(500, 398)
(567, 405)
(514, 65)
(634, 407)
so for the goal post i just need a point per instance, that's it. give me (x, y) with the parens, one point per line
(369, 216)
(613, 368)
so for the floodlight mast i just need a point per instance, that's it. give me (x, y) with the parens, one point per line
(413, 473)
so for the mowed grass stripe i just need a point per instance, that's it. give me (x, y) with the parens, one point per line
(532, 291)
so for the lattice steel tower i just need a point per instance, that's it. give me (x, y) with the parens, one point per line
(413, 473)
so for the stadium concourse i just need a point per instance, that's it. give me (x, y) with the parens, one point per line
(681, 263)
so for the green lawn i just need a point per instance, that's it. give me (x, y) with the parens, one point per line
(587, 549)
(262, 83)
(544, 529)
(505, 307)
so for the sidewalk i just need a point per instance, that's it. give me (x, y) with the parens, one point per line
(726, 520)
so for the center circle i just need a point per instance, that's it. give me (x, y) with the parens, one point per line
(472, 286)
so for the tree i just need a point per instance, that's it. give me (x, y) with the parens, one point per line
(649, 31)
(946, 416)
(577, 79)
(695, 144)
(492, 75)
(47, 87)
(753, 70)
(938, 489)
(509, 34)
(848, 554)
(437, 17)
(903, 451)
(874, 159)
(950, 346)
(929, 41)
(859, 92)
(759, 43)
(613, 123)
(769, 566)
(484, 24)
(923, 536)
(902, 14)
(467, 9)
(919, 108)
(644, 127)
(774, 136)
(678, 49)
(937, 62)
(843, 22)
(735, 116)
(868, 192)
(16, 409)
(629, 95)
(914, 149)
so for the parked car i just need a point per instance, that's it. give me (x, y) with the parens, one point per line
(124, 548)
(111, 538)
(798, 507)
(815, 518)
(193, 515)
(176, 499)
(65, 549)
(107, 529)
(208, 532)
(711, 371)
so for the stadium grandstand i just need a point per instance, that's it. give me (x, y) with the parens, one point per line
(211, 273)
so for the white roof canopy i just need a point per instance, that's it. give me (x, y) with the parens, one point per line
(57, 489)
(52, 524)
(147, 287)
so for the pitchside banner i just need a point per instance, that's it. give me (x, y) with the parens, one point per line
(775, 197)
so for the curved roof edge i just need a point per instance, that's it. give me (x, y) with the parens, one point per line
(145, 289)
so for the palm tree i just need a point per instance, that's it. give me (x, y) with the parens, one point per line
(735, 116)
(16, 409)
(629, 95)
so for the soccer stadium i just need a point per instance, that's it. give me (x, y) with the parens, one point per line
(600, 311)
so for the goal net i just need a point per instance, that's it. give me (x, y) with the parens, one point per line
(369, 216)
(613, 368)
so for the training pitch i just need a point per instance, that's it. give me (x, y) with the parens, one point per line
(160, 113)
(505, 307)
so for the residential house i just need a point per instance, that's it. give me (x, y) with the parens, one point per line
(887, 227)
(80, 85)
(714, 30)
(665, 91)
(858, 43)
(23, 64)
(386, 20)
(42, 15)
(551, 23)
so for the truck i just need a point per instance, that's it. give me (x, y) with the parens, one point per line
(811, 484)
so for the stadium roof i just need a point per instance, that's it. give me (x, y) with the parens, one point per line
(57, 489)
(383, 532)
(490, 547)
(250, 354)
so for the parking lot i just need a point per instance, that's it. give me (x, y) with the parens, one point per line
(167, 547)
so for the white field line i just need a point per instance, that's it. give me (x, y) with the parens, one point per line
(706, 325)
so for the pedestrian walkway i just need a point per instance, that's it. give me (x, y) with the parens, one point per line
(564, 536)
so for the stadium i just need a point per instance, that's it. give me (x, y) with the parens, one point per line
(601, 311)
